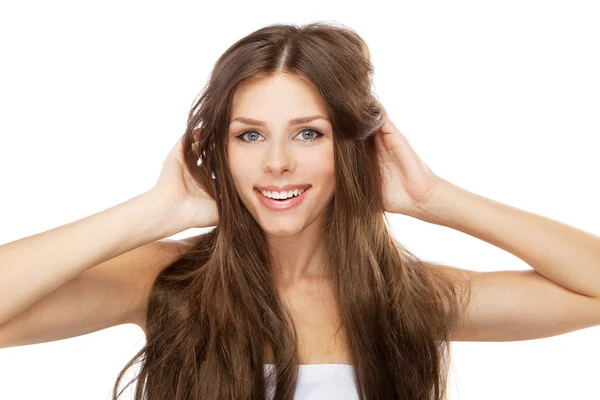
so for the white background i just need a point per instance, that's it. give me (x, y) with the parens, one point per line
(501, 98)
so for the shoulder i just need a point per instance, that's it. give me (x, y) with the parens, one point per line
(189, 241)
(175, 246)
(164, 252)
(155, 257)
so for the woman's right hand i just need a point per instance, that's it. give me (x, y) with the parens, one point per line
(188, 204)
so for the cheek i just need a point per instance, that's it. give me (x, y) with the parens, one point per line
(321, 168)
(236, 160)
(236, 166)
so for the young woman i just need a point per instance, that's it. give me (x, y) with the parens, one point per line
(300, 287)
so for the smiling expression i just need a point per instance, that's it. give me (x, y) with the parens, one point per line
(280, 135)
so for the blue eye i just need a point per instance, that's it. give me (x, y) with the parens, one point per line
(315, 137)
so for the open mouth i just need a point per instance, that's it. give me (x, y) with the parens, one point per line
(282, 200)
(282, 204)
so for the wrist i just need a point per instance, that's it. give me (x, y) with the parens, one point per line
(435, 208)
(162, 222)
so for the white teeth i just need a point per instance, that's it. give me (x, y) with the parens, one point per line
(282, 195)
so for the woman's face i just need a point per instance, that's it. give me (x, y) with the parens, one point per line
(270, 152)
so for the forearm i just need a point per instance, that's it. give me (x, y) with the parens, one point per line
(568, 256)
(32, 267)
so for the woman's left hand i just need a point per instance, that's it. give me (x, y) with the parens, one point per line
(408, 182)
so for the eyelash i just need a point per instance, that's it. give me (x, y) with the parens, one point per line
(319, 135)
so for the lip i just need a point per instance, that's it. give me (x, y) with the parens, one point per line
(285, 188)
(277, 205)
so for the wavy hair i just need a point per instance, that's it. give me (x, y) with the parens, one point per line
(212, 311)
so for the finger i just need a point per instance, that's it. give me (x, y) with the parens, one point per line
(196, 135)
(384, 111)
(388, 125)
(177, 144)
(196, 149)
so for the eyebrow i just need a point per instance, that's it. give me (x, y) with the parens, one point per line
(292, 122)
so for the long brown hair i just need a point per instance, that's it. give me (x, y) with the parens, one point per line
(211, 311)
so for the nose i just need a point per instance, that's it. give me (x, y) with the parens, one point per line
(278, 156)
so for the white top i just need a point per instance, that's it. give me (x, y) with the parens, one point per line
(323, 382)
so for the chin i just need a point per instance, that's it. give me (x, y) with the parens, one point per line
(283, 230)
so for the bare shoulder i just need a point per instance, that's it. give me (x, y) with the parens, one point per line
(164, 252)
(111, 293)
(189, 241)
(159, 256)
(169, 249)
